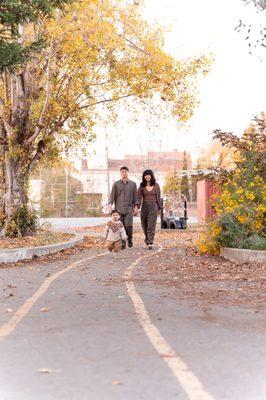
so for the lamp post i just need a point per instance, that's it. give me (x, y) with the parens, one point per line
(107, 163)
(66, 191)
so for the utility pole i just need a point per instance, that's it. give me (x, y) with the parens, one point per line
(66, 199)
(148, 141)
(107, 164)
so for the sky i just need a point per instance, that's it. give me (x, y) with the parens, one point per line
(230, 95)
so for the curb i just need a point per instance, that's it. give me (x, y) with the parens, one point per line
(244, 255)
(24, 253)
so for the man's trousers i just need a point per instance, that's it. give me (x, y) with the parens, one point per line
(127, 221)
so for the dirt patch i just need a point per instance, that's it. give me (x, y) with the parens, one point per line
(88, 243)
(211, 279)
(41, 239)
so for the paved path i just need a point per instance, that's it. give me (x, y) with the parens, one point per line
(69, 223)
(95, 328)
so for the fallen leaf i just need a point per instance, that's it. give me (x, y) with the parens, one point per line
(45, 309)
(45, 370)
(116, 383)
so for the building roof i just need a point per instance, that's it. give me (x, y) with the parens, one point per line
(158, 161)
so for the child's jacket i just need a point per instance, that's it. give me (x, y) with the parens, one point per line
(115, 231)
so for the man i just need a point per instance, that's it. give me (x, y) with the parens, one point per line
(124, 197)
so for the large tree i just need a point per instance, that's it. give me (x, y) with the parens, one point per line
(13, 15)
(97, 53)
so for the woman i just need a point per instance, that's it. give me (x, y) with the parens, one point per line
(149, 196)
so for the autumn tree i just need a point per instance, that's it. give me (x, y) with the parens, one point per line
(97, 53)
(172, 183)
(216, 156)
(13, 15)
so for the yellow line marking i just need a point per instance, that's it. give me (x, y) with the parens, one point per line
(187, 380)
(22, 311)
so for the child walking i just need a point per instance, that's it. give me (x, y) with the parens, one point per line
(114, 233)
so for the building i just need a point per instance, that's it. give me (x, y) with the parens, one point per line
(95, 180)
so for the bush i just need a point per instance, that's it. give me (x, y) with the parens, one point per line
(241, 207)
(207, 242)
(23, 222)
(254, 242)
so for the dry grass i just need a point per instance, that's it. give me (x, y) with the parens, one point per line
(43, 238)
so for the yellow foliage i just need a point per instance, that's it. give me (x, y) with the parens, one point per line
(249, 195)
(102, 51)
(217, 156)
(207, 242)
(98, 52)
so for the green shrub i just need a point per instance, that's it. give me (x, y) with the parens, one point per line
(254, 242)
(23, 222)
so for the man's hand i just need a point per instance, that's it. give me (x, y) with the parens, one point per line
(135, 212)
(110, 208)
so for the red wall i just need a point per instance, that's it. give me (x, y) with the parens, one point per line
(205, 191)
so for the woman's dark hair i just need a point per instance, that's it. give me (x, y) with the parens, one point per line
(148, 172)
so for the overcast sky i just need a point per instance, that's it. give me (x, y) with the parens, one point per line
(231, 94)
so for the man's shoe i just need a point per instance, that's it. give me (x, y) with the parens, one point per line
(123, 245)
(150, 246)
(130, 243)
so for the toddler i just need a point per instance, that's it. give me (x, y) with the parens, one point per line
(114, 232)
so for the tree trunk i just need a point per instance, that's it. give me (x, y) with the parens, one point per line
(15, 199)
(15, 152)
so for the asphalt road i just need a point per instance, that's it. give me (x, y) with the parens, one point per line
(94, 333)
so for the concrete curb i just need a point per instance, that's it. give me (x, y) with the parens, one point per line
(24, 253)
(244, 255)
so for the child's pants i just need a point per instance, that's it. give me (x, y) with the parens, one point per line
(116, 246)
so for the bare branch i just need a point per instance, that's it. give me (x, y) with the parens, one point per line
(132, 44)
(46, 101)
(108, 100)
